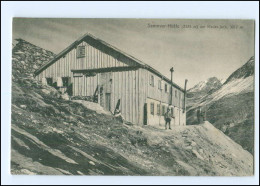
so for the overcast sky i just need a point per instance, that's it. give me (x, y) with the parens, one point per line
(195, 53)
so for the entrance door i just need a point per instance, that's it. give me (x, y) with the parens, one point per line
(108, 102)
(145, 114)
(105, 90)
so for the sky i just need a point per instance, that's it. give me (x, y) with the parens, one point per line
(196, 49)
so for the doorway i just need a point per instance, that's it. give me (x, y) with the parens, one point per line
(145, 114)
(108, 101)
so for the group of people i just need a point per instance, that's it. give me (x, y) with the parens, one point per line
(201, 115)
(167, 117)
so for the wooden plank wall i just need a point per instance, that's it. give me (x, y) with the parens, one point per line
(132, 87)
(143, 82)
(125, 86)
(84, 86)
(161, 95)
(149, 92)
(94, 59)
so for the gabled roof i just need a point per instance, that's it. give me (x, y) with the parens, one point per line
(87, 35)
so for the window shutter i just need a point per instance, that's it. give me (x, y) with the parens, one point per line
(81, 52)
(49, 81)
(152, 108)
(158, 109)
(65, 81)
(163, 110)
(59, 82)
(44, 81)
(152, 80)
(160, 84)
(172, 112)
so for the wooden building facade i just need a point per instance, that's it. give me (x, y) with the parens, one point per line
(94, 68)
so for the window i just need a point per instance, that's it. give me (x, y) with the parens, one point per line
(163, 110)
(49, 81)
(152, 80)
(158, 109)
(176, 94)
(77, 74)
(166, 88)
(101, 90)
(172, 113)
(81, 51)
(65, 81)
(159, 84)
(152, 108)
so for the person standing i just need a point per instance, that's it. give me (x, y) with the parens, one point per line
(199, 114)
(203, 114)
(167, 118)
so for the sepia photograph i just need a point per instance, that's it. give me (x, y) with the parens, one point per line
(133, 97)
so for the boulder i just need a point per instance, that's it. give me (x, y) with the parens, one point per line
(65, 96)
(23, 106)
(193, 143)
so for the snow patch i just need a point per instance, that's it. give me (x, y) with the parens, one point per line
(234, 87)
(93, 106)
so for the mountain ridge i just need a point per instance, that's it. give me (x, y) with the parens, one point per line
(243, 72)
(230, 108)
(209, 84)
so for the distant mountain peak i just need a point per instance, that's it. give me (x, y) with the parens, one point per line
(207, 85)
(245, 71)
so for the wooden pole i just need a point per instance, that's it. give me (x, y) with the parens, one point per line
(185, 87)
(205, 113)
(160, 102)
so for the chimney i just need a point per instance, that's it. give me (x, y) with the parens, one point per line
(171, 84)
(185, 87)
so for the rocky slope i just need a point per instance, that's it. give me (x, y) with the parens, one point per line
(230, 108)
(245, 71)
(26, 58)
(51, 135)
(55, 136)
